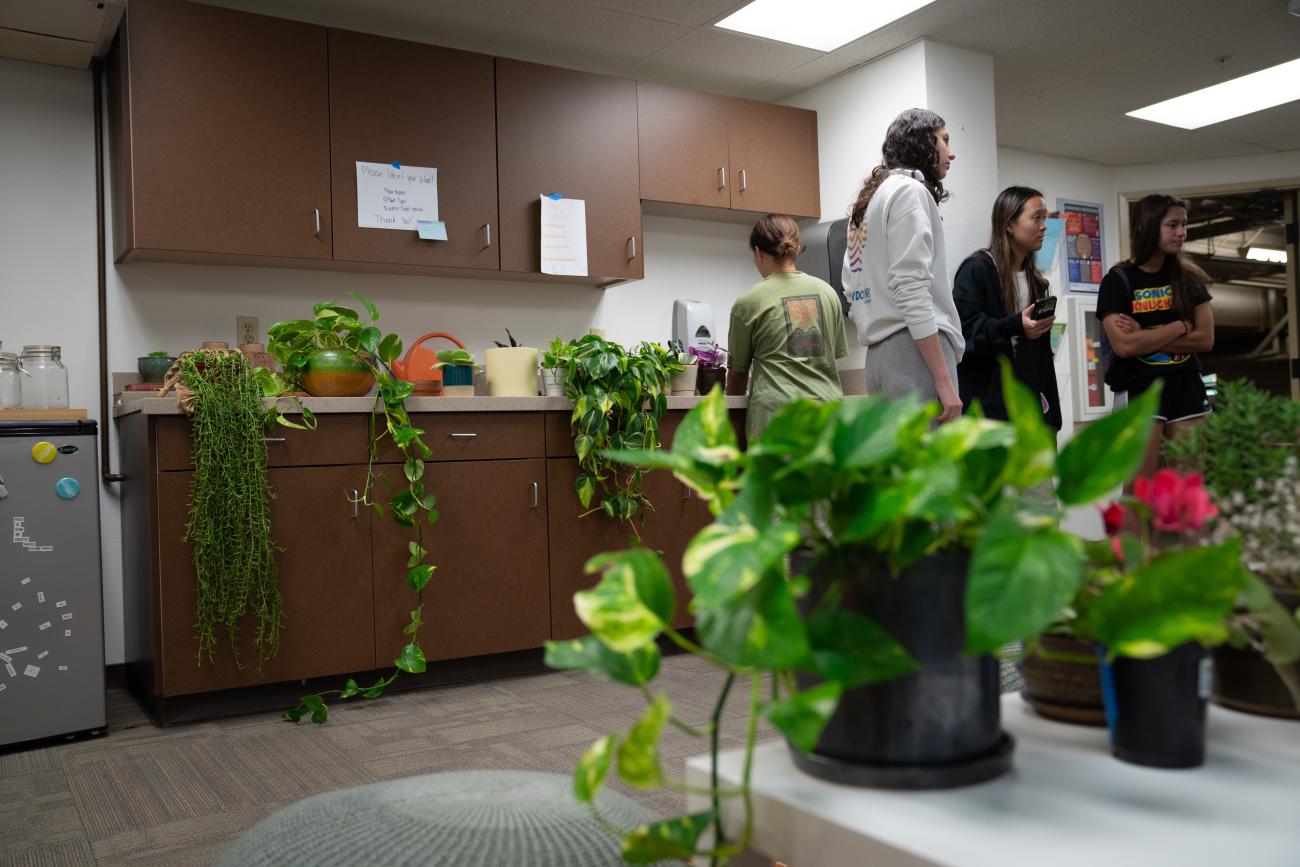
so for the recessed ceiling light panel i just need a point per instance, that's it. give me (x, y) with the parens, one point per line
(823, 25)
(1219, 102)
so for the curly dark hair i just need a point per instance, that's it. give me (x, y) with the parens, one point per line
(910, 143)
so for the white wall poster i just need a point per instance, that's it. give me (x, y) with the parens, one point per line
(394, 196)
(564, 236)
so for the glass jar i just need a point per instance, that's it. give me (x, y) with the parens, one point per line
(47, 379)
(11, 386)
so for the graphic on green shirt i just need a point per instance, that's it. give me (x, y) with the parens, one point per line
(803, 333)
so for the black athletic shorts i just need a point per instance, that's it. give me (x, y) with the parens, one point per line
(1183, 396)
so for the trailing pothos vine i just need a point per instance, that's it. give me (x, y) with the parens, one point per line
(229, 522)
(336, 326)
(618, 398)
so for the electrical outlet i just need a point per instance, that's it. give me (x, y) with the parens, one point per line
(246, 330)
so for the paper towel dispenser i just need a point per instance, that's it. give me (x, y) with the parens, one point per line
(693, 324)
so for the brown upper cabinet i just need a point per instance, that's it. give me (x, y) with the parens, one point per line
(420, 105)
(572, 133)
(703, 149)
(219, 134)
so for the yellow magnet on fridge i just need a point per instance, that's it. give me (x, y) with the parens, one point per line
(44, 453)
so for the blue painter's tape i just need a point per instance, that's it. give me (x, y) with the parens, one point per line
(67, 488)
(396, 164)
(556, 196)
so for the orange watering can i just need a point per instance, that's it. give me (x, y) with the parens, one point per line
(418, 365)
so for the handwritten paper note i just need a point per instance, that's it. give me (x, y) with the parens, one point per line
(564, 236)
(390, 196)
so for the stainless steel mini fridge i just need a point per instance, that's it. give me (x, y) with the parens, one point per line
(51, 598)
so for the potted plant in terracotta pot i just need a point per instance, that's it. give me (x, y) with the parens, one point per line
(1153, 604)
(712, 364)
(325, 354)
(913, 557)
(1249, 453)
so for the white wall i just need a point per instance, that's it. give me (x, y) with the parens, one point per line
(853, 112)
(959, 88)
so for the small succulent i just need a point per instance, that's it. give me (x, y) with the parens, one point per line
(513, 342)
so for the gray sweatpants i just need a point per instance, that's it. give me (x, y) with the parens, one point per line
(895, 367)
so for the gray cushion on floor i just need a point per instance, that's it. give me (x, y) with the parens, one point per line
(497, 818)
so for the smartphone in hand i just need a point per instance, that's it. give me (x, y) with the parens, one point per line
(1044, 307)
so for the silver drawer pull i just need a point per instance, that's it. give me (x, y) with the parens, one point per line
(722, 177)
(536, 495)
(686, 492)
(272, 439)
(632, 241)
(463, 435)
(356, 503)
(317, 212)
(743, 183)
(487, 235)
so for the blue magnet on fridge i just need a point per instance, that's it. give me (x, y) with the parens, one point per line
(555, 196)
(67, 488)
(397, 165)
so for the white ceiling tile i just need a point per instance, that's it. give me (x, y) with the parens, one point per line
(1023, 118)
(722, 61)
(695, 13)
(573, 34)
(1126, 141)
(1275, 128)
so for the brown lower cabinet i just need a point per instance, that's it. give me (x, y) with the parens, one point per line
(676, 517)
(324, 573)
(490, 591)
(509, 548)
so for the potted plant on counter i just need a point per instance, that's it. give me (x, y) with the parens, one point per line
(457, 366)
(1248, 450)
(511, 369)
(914, 557)
(327, 355)
(1151, 606)
(154, 366)
(712, 364)
(555, 366)
(683, 383)
(618, 397)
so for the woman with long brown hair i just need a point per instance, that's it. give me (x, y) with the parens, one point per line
(1155, 309)
(998, 291)
(896, 269)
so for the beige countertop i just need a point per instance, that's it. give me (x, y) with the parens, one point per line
(146, 403)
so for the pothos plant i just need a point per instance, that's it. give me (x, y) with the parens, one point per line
(336, 326)
(864, 477)
(618, 399)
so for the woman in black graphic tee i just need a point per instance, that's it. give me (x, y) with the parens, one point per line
(1155, 310)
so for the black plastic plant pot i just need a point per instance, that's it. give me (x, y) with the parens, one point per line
(1155, 708)
(939, 727)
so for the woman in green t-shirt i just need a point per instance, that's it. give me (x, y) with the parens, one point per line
(786, 331)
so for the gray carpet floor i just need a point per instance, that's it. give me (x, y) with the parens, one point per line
(142, 795)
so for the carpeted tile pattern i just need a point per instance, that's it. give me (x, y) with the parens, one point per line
(142, 795)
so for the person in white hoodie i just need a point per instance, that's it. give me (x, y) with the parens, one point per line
(896, 271)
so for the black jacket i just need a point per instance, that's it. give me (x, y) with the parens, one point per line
(988, 329)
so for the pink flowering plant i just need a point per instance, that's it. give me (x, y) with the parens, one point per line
(711, 356)
(1151, 591)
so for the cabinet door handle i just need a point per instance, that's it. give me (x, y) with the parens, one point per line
(743, 182)
(686, 492)
(463, 435)
(632, 241)
(722, 177)
(487, 235)
(356, 503)
(536, 495)
(272, 439)
(317, 212)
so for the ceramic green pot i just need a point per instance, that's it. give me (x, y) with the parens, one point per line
(337, 373)
(153, 368)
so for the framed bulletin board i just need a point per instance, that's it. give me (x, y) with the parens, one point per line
(1091, 397)
(1083, 257)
